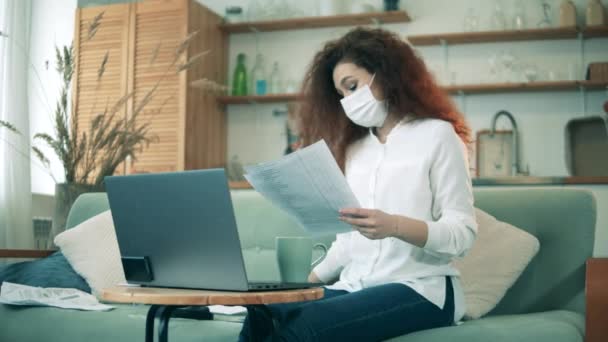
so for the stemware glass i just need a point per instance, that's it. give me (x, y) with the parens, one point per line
(508, 61)
(471, 21)
(519, 17)
(494, 68)
(498, 19)
(546, 20)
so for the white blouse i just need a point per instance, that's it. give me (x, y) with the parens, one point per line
(420, 172)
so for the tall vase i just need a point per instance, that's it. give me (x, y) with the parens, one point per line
(65, 195)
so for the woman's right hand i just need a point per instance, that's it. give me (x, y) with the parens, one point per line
(312, 278)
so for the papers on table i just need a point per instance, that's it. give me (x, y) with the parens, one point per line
(227, 310)
(16, 294)
(309, 186)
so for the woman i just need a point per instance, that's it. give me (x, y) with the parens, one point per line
(401, 144)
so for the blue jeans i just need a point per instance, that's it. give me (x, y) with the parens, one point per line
(372, 314)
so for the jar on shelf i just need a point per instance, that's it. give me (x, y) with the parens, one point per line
(567, 14)
(596, 14)
(391, 5)
(234, 14)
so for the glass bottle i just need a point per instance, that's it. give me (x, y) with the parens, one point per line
(275, 79)
(239, 79)
(258, 76)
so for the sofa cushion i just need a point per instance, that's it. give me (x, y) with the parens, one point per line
(52, 271)
(498, 257)
(550, 326)
(124, 324)
(564, 221)
(92, 250)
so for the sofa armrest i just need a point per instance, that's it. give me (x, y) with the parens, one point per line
(26, 253)
(596, 293)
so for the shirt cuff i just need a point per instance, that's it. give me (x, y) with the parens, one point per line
(433, 239)
(324, 271)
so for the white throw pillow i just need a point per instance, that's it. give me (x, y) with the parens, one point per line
(92, 250)
(498, 257)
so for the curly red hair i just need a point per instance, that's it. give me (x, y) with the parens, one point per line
(402, 75)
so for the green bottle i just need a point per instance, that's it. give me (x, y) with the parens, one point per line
(239, 81)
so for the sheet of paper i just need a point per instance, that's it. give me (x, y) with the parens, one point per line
(227, 310)
(309, 186)
(17, 294)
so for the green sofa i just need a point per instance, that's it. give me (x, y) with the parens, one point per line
(545, 304)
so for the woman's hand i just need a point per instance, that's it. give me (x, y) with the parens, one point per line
(372, 223)
(312, 278)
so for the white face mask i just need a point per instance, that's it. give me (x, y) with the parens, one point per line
(363, 109)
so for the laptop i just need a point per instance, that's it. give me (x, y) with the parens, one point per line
(178, 230)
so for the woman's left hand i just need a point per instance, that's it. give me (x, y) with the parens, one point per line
(372, 223)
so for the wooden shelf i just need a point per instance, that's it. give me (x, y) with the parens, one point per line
(525, 87)
(596, 32)
(508, 36)
(252, 99)
(454, 89)
(26, 253)
(317, 22)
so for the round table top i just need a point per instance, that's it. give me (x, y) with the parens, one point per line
(185, 297)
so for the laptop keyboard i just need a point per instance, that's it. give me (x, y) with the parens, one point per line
(261, 286)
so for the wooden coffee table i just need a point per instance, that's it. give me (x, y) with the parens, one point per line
(166, 303)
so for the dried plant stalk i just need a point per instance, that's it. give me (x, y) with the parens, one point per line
(10, 127)
(102, 66)
(94, 25)
(210, 86)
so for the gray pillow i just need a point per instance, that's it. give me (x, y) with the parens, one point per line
(52, 271)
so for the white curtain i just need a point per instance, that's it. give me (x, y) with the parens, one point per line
(15, 189)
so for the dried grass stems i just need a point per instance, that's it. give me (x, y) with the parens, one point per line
(88, 156)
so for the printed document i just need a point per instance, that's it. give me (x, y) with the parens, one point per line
(17, 294)
(309, 186)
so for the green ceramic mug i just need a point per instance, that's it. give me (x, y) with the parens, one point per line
(294, 256)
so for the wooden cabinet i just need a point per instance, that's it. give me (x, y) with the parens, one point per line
(141, 40)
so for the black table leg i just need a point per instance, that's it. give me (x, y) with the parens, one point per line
(150, 322)
(258, 314)
(164, 314)
(163, 324)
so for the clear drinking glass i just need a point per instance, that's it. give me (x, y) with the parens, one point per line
(530, 72)
(508, 61)
(498, 19)
(494, 68)
(519, 17)
(471, 21)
